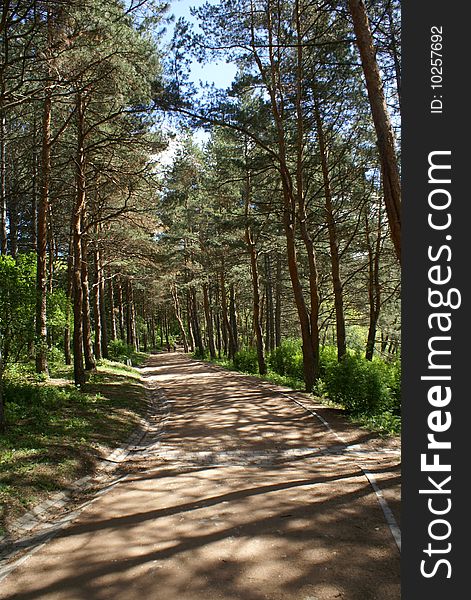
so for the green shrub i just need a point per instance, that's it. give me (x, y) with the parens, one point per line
(287, 359)
(246, 360)
(55, 356)
(362, 386)
(327, 360)
(120, 351)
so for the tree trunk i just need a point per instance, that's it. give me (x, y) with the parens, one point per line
(152, 333)
(161, 332)
(278, 302)
(90, 363)
(333, 240)
(209, 322)
(293, 194)
(3, 194)
(70, 266)
(79, 371)
(102, 302)
(374, 288)
(233, 317)
(262, 366)
(176, 306)
(120, 309)
(2, 403)
(131, 326)
(257, 324)
(96, 307)
(381, 119)
(196, 325)
(270, 320)
(13, 219)
(41, 269)
(218, 335)
(34, 188)
(113, 333)
(51, 250)
(228, 332)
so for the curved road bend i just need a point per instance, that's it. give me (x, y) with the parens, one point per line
(243, 495)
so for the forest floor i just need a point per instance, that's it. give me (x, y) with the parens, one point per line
(237, 492)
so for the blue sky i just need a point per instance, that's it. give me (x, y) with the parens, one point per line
(221, 74)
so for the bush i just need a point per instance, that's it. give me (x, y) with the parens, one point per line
(362, 386)
(120, 351)
(55, 356)
(246, 360)
(287, 359)
(327, 360)
(17, 305)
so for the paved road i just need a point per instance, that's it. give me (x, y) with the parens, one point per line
(239, 494)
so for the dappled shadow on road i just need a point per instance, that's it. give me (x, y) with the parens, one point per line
(229, 533)
(296, 528)
(215, 410)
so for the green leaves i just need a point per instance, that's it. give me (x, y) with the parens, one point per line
(17, 302)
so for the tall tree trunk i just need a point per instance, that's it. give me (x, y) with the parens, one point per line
(90, 363)
(51, 250)
(131, 311)
(41, 259)
(129, 323)
(374, 287)
(293, 191)
(278, 302)
(218, 334)
(313, 359)
(381, 119)
(270, 317)
(394, 46)
(209, 322)
(137, 339)
(341, 337)
(3, 181)
(96, 307)
(228, 332)
(13, 219)
(176, 306)
(34, 188)
(196, 324)
(152, 332)
(233, 317)
(2, 403)
(4, 37)
(120, 309)
(250, 241)
(189, 312)
(69, 293)
(104, 328)
(161, 330)
(79, 371)
(262, 366)
(113, 332)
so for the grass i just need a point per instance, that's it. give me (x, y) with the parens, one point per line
(56, 434)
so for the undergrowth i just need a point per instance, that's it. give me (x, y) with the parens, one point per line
(368, 391)
(56, 433)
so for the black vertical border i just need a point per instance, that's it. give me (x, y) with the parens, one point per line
(422, 133)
